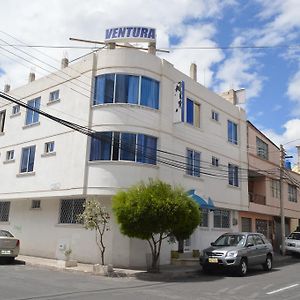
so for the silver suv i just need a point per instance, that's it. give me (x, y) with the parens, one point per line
(238, 251)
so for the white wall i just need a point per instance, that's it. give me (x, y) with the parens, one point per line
(70, 174)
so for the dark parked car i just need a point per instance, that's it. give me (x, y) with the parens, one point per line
(238, 251)
(9, 245)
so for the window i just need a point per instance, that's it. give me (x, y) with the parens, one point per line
(275, 188)
(70, 209)
(10, 155)
(221, 218)
(193, 163)
(215, 115)
(33, 116)
(2, 120)
(292, 190)
(262, 226)
(233, 175)
(246, 224)
(36, 204)
(16, 109)
(124, 146)
(204, 217)
(27, 159)
(149, 92)
(53, 96)
(4, 211)
(262, 148)
(124, 88)
(49, 147)
(232, 132)
(215, 161)
(258, 240)
(192, 113)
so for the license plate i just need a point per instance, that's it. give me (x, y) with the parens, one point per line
(5, 251)
(213, 260)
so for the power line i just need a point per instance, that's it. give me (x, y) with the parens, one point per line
(93, 134)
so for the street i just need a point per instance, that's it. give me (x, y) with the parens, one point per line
(21, 282)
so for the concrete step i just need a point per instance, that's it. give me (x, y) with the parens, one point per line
(186, 255)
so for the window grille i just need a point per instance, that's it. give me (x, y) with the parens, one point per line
(221, 218)
(4, 211)
(246, 225)
(262, 148)
(36, 204)
(204, 217)
(275, 188)
(292, 190)
(70, 209)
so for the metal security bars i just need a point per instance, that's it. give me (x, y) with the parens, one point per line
(70, 209)
(4, 211)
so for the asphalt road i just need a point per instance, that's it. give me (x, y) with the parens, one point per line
(20, 282)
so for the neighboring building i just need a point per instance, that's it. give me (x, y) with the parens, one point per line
(127, 96)
(264, 189)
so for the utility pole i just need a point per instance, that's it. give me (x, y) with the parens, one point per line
(282, 158)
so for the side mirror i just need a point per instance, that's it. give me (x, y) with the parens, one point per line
(212, 243)
(249, 245)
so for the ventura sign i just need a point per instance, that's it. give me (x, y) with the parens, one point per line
(126, 34)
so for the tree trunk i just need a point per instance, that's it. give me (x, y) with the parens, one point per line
(155, 263)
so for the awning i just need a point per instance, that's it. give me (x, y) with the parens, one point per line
(200, 201)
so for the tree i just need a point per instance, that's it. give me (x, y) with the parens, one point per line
(95, 217)
(154, 212)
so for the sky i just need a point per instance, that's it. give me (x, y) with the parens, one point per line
(270, 76)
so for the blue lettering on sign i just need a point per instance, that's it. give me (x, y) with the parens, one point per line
(122, 32)
(130, 32)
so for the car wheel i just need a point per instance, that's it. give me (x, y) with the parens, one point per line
(268, 264)
(242, 268)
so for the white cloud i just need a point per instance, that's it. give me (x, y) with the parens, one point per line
(53, 22)
(294, 92)
(290, 136)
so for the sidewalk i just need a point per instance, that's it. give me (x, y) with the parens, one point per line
(166, 271)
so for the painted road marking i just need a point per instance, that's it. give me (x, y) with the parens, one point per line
(282, 289)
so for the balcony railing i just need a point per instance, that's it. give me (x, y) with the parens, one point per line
(258, 199)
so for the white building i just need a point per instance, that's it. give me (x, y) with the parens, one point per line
(126, 95)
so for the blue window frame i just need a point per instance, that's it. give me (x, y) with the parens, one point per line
(128, 146)
(146, 149)
(192, 112)
(149, 92)
(233, 175)
(193, 163)
(33, 116)
(104, 89)
(101, 146)
(127, 89)
(124, 88)
(232, 132)
(124, 146)
(27, 159)
(189, 111)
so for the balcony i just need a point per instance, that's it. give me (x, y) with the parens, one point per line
(258, 199)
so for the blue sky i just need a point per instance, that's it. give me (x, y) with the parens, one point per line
(271, 77)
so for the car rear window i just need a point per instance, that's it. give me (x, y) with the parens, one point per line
(5, 233)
